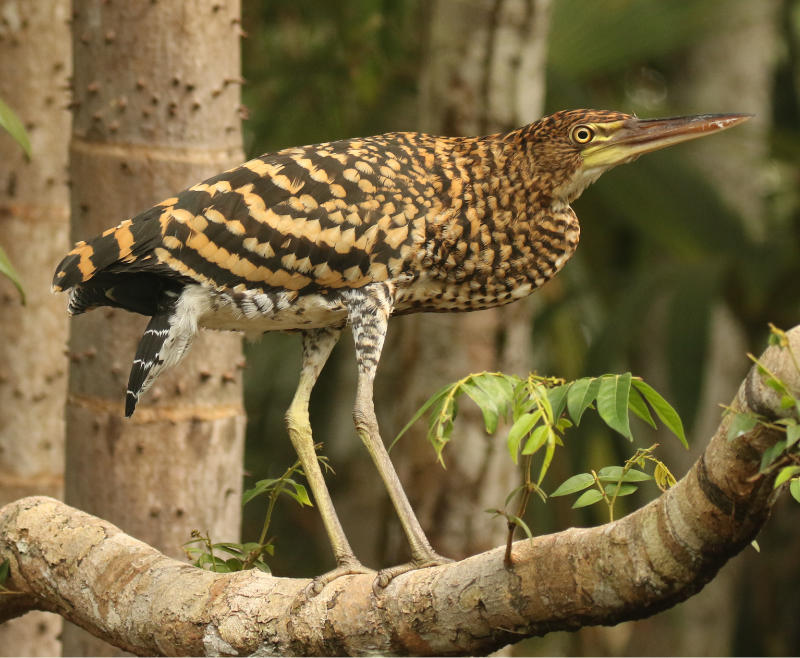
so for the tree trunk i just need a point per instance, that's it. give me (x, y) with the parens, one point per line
(156, 108)
(484, 72)
(34, 67)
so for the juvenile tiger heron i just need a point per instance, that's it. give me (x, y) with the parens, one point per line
(315, 238)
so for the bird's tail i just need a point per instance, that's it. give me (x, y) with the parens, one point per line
(166, 340)
(116, 249)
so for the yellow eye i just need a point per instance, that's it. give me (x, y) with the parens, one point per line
(582, 134)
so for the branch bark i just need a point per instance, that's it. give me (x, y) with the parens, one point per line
(87, 570)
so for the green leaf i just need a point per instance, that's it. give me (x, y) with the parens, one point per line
(742, 423)
(510, 496)
(664, 479)
(663, 409)
(574, 484)
(518, 521)
(536, 440)
(794, 489)
(581, 394)
(250, 546)
(260, 487)
(5, 565)
(587, 498)
(792, 434)
(299, 493)
(637, 405)
(498, 387)
(436, 397)
(610, 473)
(620, 490)
(262, 566)
(552, 440)
(7, 269)
(617, 474)
(486, 403)
(10, 121)
(563, 424)
(771, 454)
(558, 399)
(786, 473)
(520, 429)
(612, 403)
(233, 549)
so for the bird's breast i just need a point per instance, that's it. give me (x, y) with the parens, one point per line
(472, 263)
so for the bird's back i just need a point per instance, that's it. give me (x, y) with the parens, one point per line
(447, 221)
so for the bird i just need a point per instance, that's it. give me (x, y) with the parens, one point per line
(312, 239)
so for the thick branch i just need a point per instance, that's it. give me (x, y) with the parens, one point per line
(117, 587)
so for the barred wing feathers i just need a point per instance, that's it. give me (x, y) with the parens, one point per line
(335, 215)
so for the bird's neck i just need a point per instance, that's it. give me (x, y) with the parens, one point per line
(498, 234)
(499, 176)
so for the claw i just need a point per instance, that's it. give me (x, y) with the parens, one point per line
(386, 576)
(315, 587)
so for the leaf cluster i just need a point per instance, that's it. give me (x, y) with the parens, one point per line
(538, 411)
(783, 456)
(205, 554)
(542, 408)
(612, 482)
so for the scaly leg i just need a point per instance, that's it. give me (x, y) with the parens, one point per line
(369, 315)
(317, 346)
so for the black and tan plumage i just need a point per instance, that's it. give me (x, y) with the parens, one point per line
(351, 232)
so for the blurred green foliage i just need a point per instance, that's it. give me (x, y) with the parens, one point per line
(657, 232)
(320, 71)
(11, 123)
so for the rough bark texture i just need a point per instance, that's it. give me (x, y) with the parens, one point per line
(483, 72)
(156, 108)
(86, 569)
(34, 67)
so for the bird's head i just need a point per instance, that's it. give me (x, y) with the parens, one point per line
(571, 149)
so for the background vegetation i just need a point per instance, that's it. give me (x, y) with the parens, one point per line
(685, 249)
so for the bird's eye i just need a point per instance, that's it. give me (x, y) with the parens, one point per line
(582, 134)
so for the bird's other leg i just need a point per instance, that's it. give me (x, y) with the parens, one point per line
(369, 316)
(317, 346)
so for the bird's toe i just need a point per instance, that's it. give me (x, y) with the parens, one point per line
(315, 587)
(386, 576)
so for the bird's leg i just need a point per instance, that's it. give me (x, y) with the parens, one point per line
(369, 318)
(317, 346)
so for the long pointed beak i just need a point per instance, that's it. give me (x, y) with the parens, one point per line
(632, 138)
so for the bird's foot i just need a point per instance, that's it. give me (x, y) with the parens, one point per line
(386, 576)
(348, 568)
(345, 568)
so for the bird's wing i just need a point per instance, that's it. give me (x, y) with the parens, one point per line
(328, 216)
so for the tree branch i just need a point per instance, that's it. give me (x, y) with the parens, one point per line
(87, 570)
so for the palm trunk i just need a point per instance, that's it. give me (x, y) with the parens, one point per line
(156, 104)
(34, 66)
